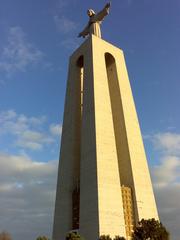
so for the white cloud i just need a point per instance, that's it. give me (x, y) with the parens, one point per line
(33, 140)
(27, 132)
(55, 129)
(27, 190)
(166, 179)
(37, 121)
(20, 165)
(64, 24)
(6, 115)
(32, 145)
(19, 53)
(169, 208)
(14, 126)
(167, 172)
(30, 135)
(168, 142)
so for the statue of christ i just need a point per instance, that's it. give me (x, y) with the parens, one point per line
(95, 20)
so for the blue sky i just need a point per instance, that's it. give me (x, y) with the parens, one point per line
(37, 38)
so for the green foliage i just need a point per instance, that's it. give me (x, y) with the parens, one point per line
(119, 238)
(150, 229)
(73, 236)
(105, 237)
(42, 238)
(5, 236)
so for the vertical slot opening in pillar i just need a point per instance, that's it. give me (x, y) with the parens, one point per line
(125, 172)
(76, 185)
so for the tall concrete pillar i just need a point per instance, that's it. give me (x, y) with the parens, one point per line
(101, 148)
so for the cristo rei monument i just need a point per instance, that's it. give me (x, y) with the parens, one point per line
(104, 185)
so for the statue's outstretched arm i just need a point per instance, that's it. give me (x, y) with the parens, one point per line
(105, 11)
(84, 32)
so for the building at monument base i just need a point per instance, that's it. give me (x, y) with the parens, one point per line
(104, 185)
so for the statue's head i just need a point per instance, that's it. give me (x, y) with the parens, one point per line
(90, 12)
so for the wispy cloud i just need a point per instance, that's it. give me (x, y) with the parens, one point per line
(129, 2)
(61, 5)
(27, 189)
(28, 132)
(64, 24)
(19, 53)
(70, 43)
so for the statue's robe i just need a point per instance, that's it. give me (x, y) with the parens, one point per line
(94, 23)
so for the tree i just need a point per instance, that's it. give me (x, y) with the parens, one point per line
(73, 236)
(42, 238)
(105, 237)
(150, 229)
(5, 236)
(119, 238)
